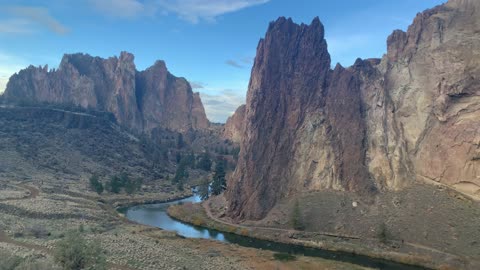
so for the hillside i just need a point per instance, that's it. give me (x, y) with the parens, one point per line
(49, 143)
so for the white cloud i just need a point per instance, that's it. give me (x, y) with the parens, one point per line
(25, 19)
(234, 64)
(196, 10)
(189, 10)
(219, 105)
(119, 8)
(15, 26)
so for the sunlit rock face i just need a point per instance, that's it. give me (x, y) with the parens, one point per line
(379, 125)
(139, 100)
(235, 125)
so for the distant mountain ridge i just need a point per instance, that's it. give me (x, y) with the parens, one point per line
(139, 100)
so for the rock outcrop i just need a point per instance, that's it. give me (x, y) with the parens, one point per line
(141, 101)
(235, 124)
(376, 126)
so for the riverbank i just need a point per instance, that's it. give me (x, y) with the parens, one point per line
(33, 219)
(130, 202)
(404, 253)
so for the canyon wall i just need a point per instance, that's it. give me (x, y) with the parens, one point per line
(376, 126)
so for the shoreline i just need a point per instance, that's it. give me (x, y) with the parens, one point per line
(344, 245)
(120, 206)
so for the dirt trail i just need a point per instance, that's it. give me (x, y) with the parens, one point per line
(33, 193)
(206, 206)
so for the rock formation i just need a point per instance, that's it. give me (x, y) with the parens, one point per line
(234, 126)
(376, 126)
(141, 101)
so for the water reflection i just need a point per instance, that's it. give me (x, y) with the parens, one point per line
(156, 215)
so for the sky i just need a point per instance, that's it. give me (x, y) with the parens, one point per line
(212, 43)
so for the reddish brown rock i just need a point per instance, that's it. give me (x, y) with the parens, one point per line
(235, 125)
(139, 100)
(304, 126)
(376, 126)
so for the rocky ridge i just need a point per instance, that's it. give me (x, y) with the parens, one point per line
(376, 126)
(139, 100)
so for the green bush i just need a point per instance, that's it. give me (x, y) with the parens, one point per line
(9, 261)
(297, 219)
(123, 181)
(96, 185)
(74, 252)
(31, 265)
(382, 233)
(284, 257)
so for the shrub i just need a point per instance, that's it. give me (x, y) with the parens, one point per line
(38, 231)
(74, 253)
(382, 233)
(244, 232)
(9, 261)
(296, 219)
(30, 265)
(197, 221)
(284, 257)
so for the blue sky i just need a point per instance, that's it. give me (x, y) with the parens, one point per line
(212, 43)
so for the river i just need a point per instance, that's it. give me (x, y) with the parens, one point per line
(155, 215)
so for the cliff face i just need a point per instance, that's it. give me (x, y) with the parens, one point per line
(376, 126)
(139, 100)
(235, 125)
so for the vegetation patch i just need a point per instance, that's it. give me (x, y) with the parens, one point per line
(285, 257)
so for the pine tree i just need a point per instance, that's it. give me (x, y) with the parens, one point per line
(219, 183)
(180, 184)
(180, 141)
(115, 184)
(205, 163)
(181, 174)
(96, 185)
(204, 189)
